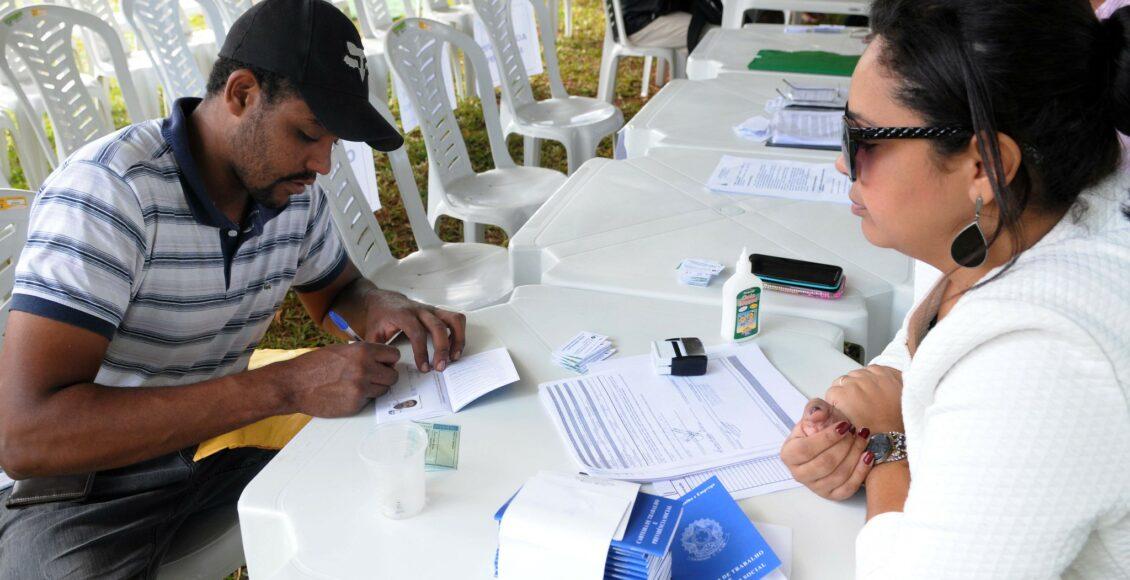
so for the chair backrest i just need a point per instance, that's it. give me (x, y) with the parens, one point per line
(614, 23)
(374, 16)
(103, 10)
(221, 14)
(158, 25)
(498, 20)
(364, 240)
(414, 46)
(15, 205)
(232, 10)
(40, 35)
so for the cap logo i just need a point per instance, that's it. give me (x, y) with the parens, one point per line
(356, 58)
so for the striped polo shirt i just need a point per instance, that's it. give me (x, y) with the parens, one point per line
(125, 242)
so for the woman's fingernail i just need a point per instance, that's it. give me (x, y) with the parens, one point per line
(842, 427)
(864, 433)
(427, 368)
(868, 457)
(441, 365)
(455, 355)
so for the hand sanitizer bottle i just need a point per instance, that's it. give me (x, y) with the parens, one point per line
(741, 302)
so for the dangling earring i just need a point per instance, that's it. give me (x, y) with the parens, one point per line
(969, 249)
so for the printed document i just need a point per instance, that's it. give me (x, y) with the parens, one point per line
(420, 396)
(818, 128)
(627, 422)
(779, 178)
(5, 481)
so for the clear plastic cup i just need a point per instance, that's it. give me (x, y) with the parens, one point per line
(394, 453)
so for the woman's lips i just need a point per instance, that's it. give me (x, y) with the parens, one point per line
(857, 208)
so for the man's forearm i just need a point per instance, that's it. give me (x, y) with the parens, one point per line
(87, 427)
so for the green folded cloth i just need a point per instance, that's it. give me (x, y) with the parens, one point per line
(815, 62)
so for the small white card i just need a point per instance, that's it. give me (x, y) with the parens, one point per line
(582, 350)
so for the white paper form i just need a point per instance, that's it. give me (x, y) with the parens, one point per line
(5, 481)
(760, 476)
(778, 178)
(560, 526)
(807, 127)
(625, 421)
(418, 396)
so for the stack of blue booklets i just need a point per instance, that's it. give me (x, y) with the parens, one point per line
(645, 551)
(703, 535)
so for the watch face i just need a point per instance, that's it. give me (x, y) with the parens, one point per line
(879, 445)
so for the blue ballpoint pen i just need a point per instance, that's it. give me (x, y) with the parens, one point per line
(344, 326)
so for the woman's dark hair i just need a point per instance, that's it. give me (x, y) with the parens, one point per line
(273, 85)
(1046, 73)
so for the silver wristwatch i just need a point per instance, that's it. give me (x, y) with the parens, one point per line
(887, 447)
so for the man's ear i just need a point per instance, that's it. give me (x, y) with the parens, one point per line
(241, 93)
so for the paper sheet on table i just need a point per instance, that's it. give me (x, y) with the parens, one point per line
(420, 396)
(807, 127)
(751, 478)
(627, 422)
(5, 481)
(778, 178)
(560, 526)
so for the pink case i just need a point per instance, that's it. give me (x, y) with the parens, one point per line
(811, 292)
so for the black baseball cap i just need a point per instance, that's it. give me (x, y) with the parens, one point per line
(316, 47)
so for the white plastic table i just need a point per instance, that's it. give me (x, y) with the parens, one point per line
(730, 50)
(623, 226)
(310, 514)
(733, 10)
(703, 114)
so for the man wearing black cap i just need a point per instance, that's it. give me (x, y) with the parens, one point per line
(156, 258)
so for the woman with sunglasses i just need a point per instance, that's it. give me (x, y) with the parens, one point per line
(993, 435)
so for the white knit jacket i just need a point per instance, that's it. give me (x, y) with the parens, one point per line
(1017, 418)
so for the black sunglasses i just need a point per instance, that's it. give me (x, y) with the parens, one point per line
(854, 136)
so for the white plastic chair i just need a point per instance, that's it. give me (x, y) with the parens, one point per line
(158, 26)
(221, 14)
(140, 66)
(506, 195)
(41, 37)
(579, 123)
(614, 49)
(461, 17)
(457, 276)
(568, 9)
(375, 19)
(15, 207)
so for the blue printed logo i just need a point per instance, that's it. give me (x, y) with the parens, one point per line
(702, 539)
